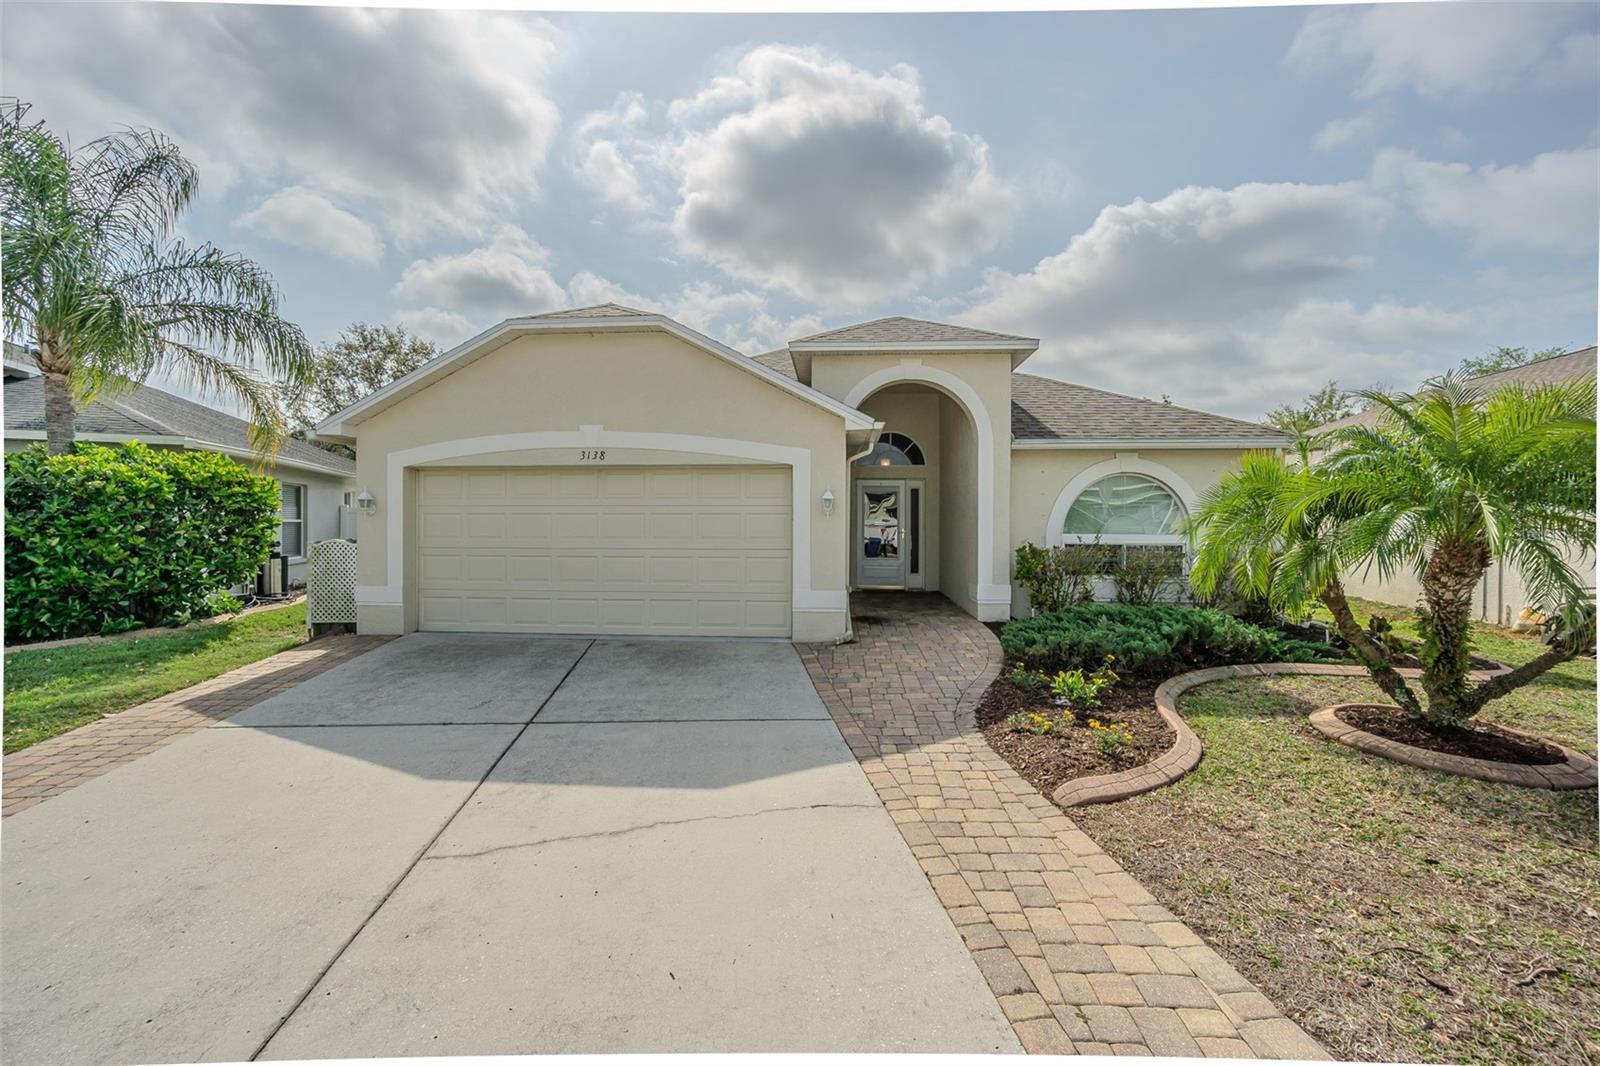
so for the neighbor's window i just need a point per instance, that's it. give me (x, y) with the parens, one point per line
(893, 449)
(1128, 514)
(292, 520)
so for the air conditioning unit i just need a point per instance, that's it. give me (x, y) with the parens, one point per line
(331, 584)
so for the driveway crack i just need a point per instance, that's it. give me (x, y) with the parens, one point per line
(647, 826)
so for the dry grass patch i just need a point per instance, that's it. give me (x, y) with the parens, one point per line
(1394, 912)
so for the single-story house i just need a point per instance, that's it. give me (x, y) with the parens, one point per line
(1503, 594)
(316, 485)
(609, 470)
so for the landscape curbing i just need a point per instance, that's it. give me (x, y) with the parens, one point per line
(1578, 771)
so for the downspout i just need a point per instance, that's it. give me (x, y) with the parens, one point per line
(849, 462)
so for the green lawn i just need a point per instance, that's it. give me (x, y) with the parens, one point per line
(1396, 913)
(54, 690)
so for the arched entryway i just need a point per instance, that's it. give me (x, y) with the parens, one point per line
(922, 502)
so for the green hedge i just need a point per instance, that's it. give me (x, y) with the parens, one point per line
(103, 540)
(1154, 641)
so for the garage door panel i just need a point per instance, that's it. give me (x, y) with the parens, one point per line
(676, 550)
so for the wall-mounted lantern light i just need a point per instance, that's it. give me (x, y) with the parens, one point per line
(366, 502)
(827, 502)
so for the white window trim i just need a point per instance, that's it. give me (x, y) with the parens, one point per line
(1054, 536)
(305, 505)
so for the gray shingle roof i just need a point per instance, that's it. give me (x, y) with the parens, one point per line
(1047, 409)
(901, 330)
(607, 310)
(779, 361)
(1556, 370)
(145, 412)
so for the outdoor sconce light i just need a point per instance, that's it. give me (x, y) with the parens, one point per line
(366, 502)
(827, 502)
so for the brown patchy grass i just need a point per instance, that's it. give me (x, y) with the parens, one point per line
(1396, 913)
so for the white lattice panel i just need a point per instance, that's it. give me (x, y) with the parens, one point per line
(331, 583)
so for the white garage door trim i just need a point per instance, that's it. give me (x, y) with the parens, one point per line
(686, 550)
(804, 598)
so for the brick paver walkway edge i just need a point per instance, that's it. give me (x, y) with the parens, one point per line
(1080, 957)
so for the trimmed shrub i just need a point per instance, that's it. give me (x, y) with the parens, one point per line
(1150, 641)
(103, 540)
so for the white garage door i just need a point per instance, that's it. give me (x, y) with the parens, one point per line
(690, 550)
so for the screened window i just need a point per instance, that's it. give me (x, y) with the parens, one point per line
(292, 520)
(1130, 516)
(893, 449)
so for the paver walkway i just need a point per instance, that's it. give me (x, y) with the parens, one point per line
(53, 766)
(1082, 958)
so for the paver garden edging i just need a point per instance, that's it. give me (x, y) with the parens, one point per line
(1184, 755)
(1577, 771)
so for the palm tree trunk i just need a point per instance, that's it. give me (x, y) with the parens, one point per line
(60, 416)
(1369, 654)
(1498, 686)
(1453, 571)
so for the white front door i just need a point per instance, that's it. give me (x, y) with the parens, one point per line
(881, 545)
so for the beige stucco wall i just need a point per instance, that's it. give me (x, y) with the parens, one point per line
(958, 511)
(985, 378)
(1501, 595)
(1039, 476)
(621, 382)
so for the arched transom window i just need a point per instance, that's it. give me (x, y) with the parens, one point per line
(1123, 511)
(893, 449)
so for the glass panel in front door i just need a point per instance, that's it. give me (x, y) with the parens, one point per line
(881, 546)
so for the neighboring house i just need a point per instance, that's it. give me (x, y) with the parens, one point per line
(607, 470)
(1502, 595)
(316, 485)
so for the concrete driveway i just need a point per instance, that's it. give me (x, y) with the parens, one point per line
(487, 845)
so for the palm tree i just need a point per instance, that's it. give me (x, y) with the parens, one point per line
(94, 275)
(1445, 483)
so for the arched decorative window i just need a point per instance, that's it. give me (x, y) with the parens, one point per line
(1128, 514)
(893, 449)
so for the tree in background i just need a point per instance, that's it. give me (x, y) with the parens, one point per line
(363, 360)
(1325, 405)
(1502, 358)
(94, 277)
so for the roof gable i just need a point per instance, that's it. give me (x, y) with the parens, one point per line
(898, 331)
(599, 319)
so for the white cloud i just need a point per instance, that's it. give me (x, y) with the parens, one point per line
(432, 120)
(508, 276)
(1443, 48)
(445, 328)
(1345, 131)
(612, 176)
(801, 172)
(310, 220)
(1551, 202)
(1211, 295)
(606, 146)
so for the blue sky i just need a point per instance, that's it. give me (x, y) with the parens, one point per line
(1228, 207)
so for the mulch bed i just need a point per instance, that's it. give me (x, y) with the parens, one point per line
(1476, 742)
(1048, 761)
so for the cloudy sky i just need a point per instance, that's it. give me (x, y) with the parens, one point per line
(1225, 206)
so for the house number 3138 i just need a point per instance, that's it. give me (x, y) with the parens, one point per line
(592, 456)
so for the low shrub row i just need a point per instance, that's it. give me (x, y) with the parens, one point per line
(1150, 641)
(103, 540)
